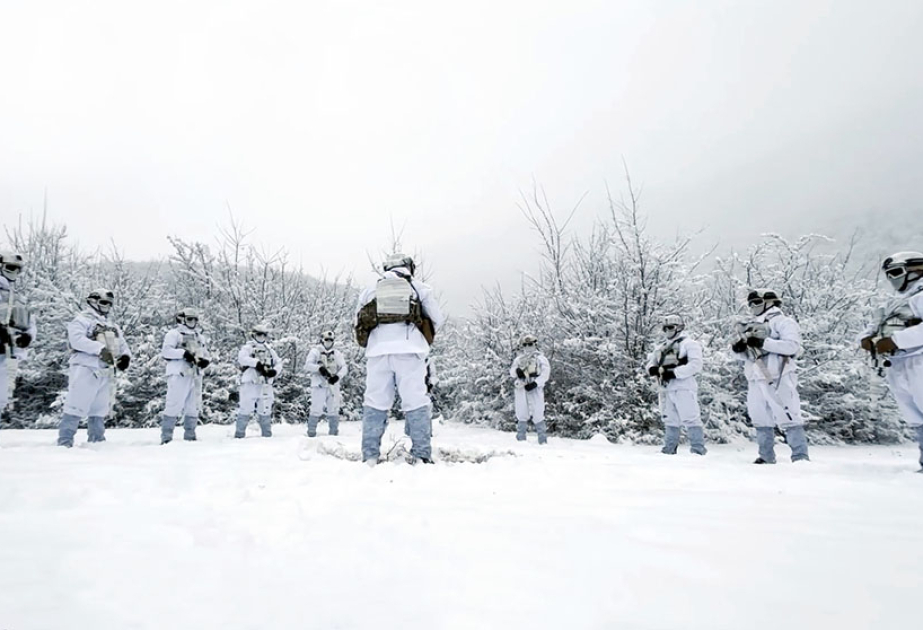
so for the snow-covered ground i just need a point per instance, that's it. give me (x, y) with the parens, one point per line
(275, 534)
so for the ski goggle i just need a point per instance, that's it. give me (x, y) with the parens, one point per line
(11, 268)
(529, 344)
(192, 320)
(756, 302)
(104, 302)
(669, 328)
(893, 273)
(259, 335)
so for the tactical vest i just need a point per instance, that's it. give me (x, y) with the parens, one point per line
(328, 360)
(530, 366)
(14, 315)
(395, 302)
(189, 341)
(108, 335)
(668, 355)
(261, 353)
(899, 317)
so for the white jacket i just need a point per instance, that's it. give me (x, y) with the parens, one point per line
(909, 340)
(84, 347)
(175, 343)
(18, 300)
(332, 359)
(252, 353)
(688, 349)
(540, 362)
(401, 338)
(779, 349)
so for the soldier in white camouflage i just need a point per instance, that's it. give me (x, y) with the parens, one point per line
(185, 351)
(767, 344)
(894, 337)
(260, 365)
(98, 350)
(17, 324)
(327, 367)
(675, 364)
(530, 372)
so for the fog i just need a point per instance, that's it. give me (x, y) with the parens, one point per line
(323, 124)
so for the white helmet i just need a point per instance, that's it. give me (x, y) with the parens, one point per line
(528, 341)
(397, 260)
(259, 330)
(188, 317)
(761, 300)
(101, 300)
(902, 269)
(673, 325)
(11, 265)
(327, 338)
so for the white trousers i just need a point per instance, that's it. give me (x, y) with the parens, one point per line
(404, 374)
(89, 392)
(256, 397)
(680, 408)
(905, 380)
(325, 399)
(771, 406)
(182, 396)
(529, 405)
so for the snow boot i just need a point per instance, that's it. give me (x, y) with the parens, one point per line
(240, 429)
(96, 429)
(265, 425)
(333, 424)
(541, 429)
(312, 425)
(167, 424)
(766, 440)
(919, 431)
(189, 425)
(798, 443)
(421, 431)
(67, 430)
(670, 440)
(373, 427)
(521, 429)
(696, 440)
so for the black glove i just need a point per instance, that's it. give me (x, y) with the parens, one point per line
(23, 340)
(653, 370)
(520, 373)
(739, 346)
(429, 388)
(755, 342)
(333, 380)
(324, 371)
(202, 363)
(269, 372)
(530, 386)
(122, 363)
(106, 357)
(667, 376)
(4, 338)
(188, 357)
(260, 368)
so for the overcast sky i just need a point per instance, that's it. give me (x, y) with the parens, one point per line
(319, 122)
